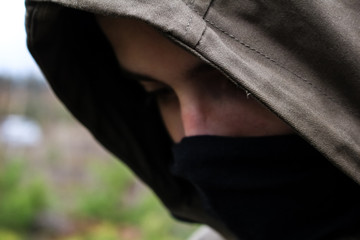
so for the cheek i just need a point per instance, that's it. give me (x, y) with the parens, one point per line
(171, 115)
(247, 117)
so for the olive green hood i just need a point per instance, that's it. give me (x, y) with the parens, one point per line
(301, 59)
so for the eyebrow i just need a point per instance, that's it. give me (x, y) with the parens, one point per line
(137, 76)
(193, 72)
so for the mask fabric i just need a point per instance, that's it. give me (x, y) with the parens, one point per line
(276, 187)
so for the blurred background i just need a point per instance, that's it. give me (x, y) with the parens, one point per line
(56, 182)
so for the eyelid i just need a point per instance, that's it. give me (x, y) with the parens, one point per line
(161, 92)
(152, 86)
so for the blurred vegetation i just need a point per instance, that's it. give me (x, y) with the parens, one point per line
(67, 187)
(19, 201)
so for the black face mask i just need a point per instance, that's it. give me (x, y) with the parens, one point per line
(269, 187)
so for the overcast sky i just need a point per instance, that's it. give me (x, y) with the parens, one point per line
(15, 59)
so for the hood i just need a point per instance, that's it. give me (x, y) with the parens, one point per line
(301, 59)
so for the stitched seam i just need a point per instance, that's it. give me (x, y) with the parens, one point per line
(263, 55)
(201, 37)
(272, 60)
(208, 8)
(192, 7)
(188, 25)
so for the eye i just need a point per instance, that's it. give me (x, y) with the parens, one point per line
(158, 91)
(162, 95)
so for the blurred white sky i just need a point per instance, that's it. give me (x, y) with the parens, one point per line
(15, 60)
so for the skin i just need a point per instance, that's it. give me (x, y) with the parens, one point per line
(193, 98)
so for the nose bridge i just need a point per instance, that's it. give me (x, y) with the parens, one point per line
(195, 114)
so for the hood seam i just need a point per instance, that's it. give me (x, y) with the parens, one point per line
(319, 90)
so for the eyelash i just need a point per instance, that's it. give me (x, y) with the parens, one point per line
(161, 93)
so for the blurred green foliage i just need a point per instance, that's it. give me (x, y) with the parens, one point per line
(6, 234)
(20, 201)
(103, 198)
(109, 201)
(113, 206)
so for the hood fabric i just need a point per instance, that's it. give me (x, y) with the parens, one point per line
(301, 59)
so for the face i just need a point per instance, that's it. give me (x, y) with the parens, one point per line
(193, 97)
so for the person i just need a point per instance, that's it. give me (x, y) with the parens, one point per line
(240, 115)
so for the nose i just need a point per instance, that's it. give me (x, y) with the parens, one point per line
(197, 117)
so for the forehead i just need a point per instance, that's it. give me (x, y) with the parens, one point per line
(141, 48)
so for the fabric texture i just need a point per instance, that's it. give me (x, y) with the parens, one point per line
(301, 59)
(273, 188)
